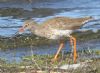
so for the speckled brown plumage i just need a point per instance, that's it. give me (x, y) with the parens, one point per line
(57, 28)
(65, 23)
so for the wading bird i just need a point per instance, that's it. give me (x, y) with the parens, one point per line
(57, 28)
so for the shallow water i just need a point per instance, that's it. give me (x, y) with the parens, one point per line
(16, 55)
(14, 12)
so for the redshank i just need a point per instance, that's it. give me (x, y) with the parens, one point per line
(57, 28)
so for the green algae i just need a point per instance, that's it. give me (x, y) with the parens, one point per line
(27, 14)
(89, 35)
(27, 40)
(22, 41)
(44, 63)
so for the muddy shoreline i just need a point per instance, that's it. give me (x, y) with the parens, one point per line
(92, 66)
(26, 40)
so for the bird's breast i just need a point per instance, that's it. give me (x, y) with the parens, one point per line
(57, 34)
(53, 33)
(62, 32)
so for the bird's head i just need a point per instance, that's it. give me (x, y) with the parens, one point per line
(28, 25)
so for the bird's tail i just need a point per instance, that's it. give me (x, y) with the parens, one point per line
(88, 19)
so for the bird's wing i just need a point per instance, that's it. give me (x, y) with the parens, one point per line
(61, 23)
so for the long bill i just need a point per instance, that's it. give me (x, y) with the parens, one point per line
(21, 29)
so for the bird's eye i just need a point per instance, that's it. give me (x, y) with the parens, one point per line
(26, 25)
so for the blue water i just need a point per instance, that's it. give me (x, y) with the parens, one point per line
(16, 55)
(68, 8)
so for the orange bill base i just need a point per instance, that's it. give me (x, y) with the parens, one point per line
(21, 30)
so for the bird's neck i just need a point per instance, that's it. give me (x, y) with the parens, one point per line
(35, 27)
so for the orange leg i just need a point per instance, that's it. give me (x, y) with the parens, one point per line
(59, 49)
(74, 52)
